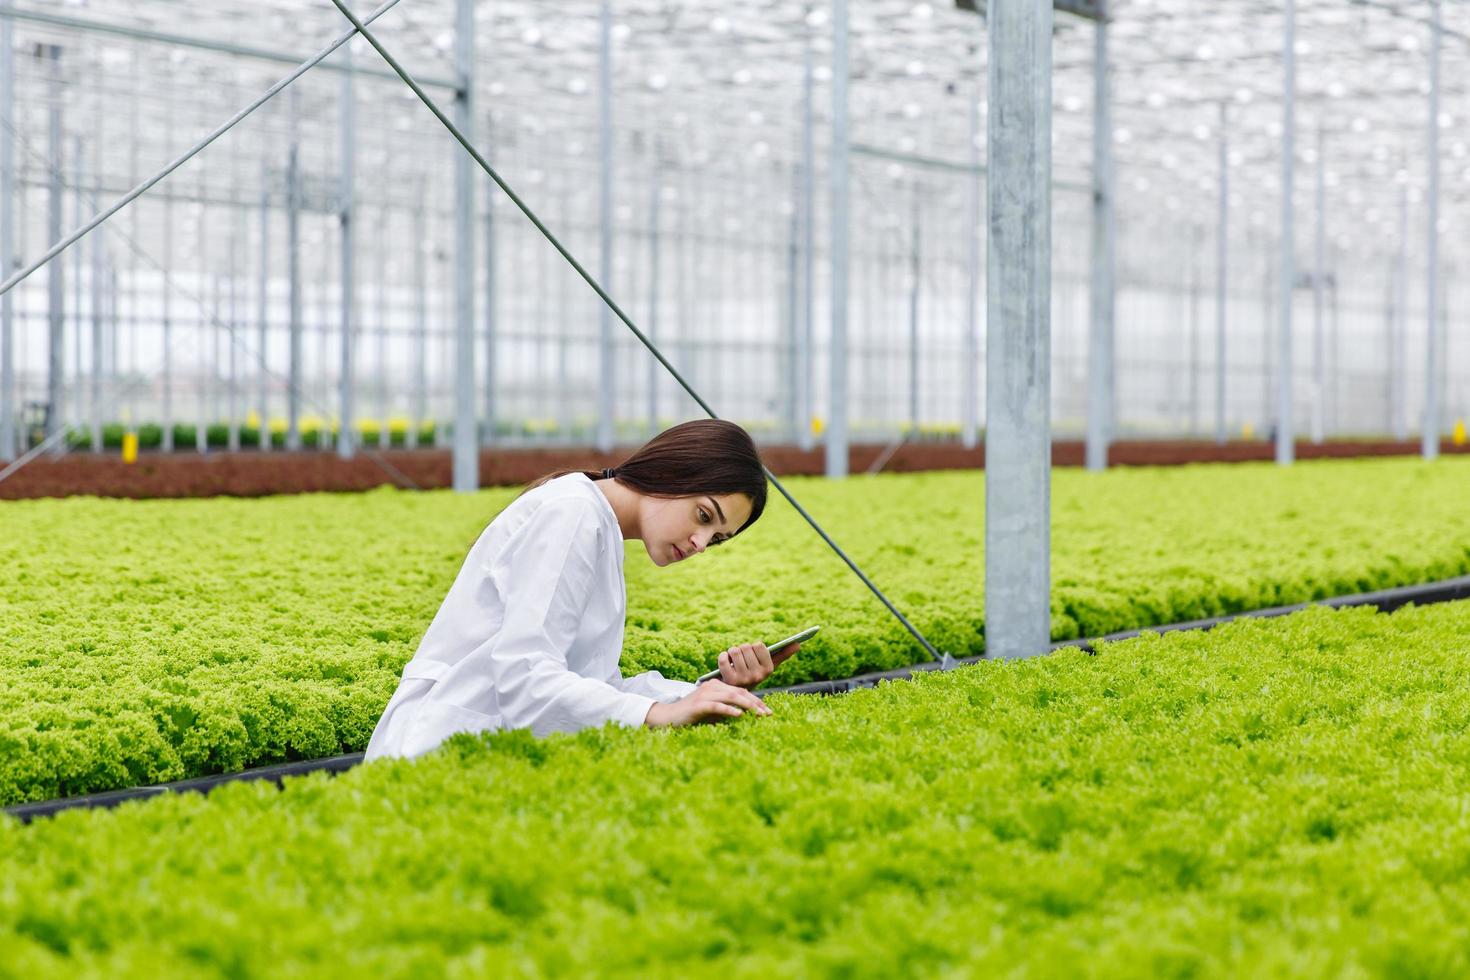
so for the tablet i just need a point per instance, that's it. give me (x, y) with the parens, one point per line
(775, 648)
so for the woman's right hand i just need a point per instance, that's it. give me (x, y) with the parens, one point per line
(712, 701)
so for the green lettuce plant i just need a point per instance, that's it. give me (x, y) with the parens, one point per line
(148, 641)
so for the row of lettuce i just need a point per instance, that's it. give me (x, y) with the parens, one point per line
(1274, 798)
(400, 432)
(156, 640)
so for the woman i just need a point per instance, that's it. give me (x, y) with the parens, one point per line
(531, 631)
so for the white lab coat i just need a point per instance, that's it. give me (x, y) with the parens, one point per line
(530, 633)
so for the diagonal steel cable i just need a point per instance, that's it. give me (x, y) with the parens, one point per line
(945, 659)
(188, 154)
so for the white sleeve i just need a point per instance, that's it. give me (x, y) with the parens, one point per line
(544, 577)
(654, 685)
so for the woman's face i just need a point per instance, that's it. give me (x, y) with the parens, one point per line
(675, 528)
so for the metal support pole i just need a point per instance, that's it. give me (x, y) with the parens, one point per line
(1222, 232)
(1269, 304)
(420, 324)
(8, 447)
(837, 396)
(56, 296)
(233, 389)
(792, 408)
(804, 436)
(319, 387)
(347, 115)
(293, 266)
(94, 400)
(1398, 364)
(915, 278)
(204, 386)
(1334, 348)
(380, 291)
(654, 196)
(166, 436)
(1319, 270)
(1018, 354)
(78, 274)
(1196, 243)
(1429, 442)
(1285, 436)
(466, 449)
(491, 326)
(564, 404)
(970, 377)
(262, 308)
(1101, 371)
(605, 406)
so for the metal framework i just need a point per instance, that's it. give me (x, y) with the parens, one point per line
(727, 109)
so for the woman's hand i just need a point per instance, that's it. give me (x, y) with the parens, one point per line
(709, 702)
(750, 663)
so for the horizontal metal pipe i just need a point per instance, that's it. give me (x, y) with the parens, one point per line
(936, 163)
(184, 40)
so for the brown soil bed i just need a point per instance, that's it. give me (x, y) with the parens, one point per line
(254, 474)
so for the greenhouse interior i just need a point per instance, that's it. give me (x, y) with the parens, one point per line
(1086, 381)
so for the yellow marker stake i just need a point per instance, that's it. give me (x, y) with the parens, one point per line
(1459, 434)
(130, 447)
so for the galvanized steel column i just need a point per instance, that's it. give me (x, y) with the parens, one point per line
(605, 402)
(347, 109)
(78, 270)
(491, 328)
(1334, 349)
(7, 236)
(1018, 354)
(1429, 440)
(1398, 365)
(654, 370)
(466, 449)
(804, 437)
(970, 376)
(1285, 441)
(420, 323)
(94, 399)
(293, 265)
(1195, 354)
(1101, 376)
(208, 321)
(233, 435)
(1222, 231)
(915, 278)
(262, 308)
(55, 270)
(1319, 269)
(166, 436)
(380, 313)
(837, 348)
(793, 309)
(1222, 251)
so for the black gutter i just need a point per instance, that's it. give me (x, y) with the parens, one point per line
(200, 784)
(1386, 600)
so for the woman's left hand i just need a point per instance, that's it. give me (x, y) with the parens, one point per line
(748, 664)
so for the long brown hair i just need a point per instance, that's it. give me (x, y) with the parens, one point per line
(692, 458)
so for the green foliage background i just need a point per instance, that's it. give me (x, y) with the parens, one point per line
(1274, 798)
(147, 641)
